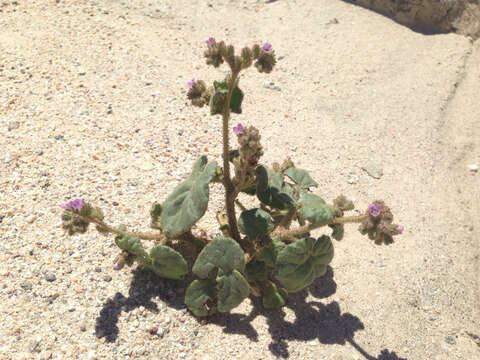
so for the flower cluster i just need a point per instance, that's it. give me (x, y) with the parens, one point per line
(379, 224)
(265, 57)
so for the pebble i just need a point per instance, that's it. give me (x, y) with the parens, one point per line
(59, 137)
(50, 277)
(26, 285)
(271, 86)
(473, 167)
(450, 340)
(107, 278)
(373, 169)
(98, 269)
(31, 219)
(13, 125)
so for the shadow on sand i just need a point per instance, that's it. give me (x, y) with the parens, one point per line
(313, 319)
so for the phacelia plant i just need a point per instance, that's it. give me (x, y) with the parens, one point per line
(267, 250)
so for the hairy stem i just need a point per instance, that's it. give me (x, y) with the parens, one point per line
(227, 180)
(284, 234)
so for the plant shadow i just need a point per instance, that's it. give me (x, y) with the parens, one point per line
(313, 320)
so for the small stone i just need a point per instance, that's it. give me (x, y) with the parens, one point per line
(107, 278)
(373, 169)
(271, 86)
(473, 167)
(26, 285)
(50, 277)
(180, 132)
(59, 137)
(34, 346)
(352, 179)
(31, 219)
(153, 330)
(114, 203)
(98, 269)
(450, 340)
(83, 327)
(81, 71)
(39, 152)
(13, 125)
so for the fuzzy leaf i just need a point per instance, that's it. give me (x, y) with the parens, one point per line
(189, 200)
(218, 99)
(198, 293)
(256, 271)
(338, 231)
(155, 213)
(300, 177)
(130, 244)
(269, 190)
(299, 263)
(273, 297)
(314, 208)
(221, 252)
(270, 253)
(255, 223)
(168, 263)
(232, 290)
(236, 101)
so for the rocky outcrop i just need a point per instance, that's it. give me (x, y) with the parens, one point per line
(431, 16)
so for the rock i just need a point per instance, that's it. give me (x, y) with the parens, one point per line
(473, 167)
(13, 125)
(107, 278)
(373, 169)
(450, 340)
(34, 346)
(50, 277)
(271, 86)
(431, 16)
(59, 137)
(26, 285)
(31, 219)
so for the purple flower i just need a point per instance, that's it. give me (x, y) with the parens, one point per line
(239, 130)
(374, 209)
(267, 47)
(190, 83)
(211, 42)
(400, 229)
(74, 205)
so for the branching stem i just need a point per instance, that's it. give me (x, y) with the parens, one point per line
(284, 234)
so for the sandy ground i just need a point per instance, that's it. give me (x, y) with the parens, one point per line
(92, 105)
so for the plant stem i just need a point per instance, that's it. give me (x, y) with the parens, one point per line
(227, 180)
(284, 234)
(161, 238)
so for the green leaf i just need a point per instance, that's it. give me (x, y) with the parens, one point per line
(314, 208)
(338, 231)
(155, 213)
(256, 271)
(221, 252)
(269, 190)
(273, 297)
(198, 293)
(270, 253)
(168, 263)
(189, 200)
(300, 177)
(236, 101)
(232, 290)
(299, 263)
(218, 99)
(255, 223)
(130, 244)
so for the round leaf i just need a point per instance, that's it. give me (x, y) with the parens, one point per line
(299, 263)
(255, 223)
(314, 208)
(273, 297)
(189, 200)
(168, 263)
(300, 177)
(256, 271)
(270, 253)
(232, 290)
(221, 252)
(198, 293)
